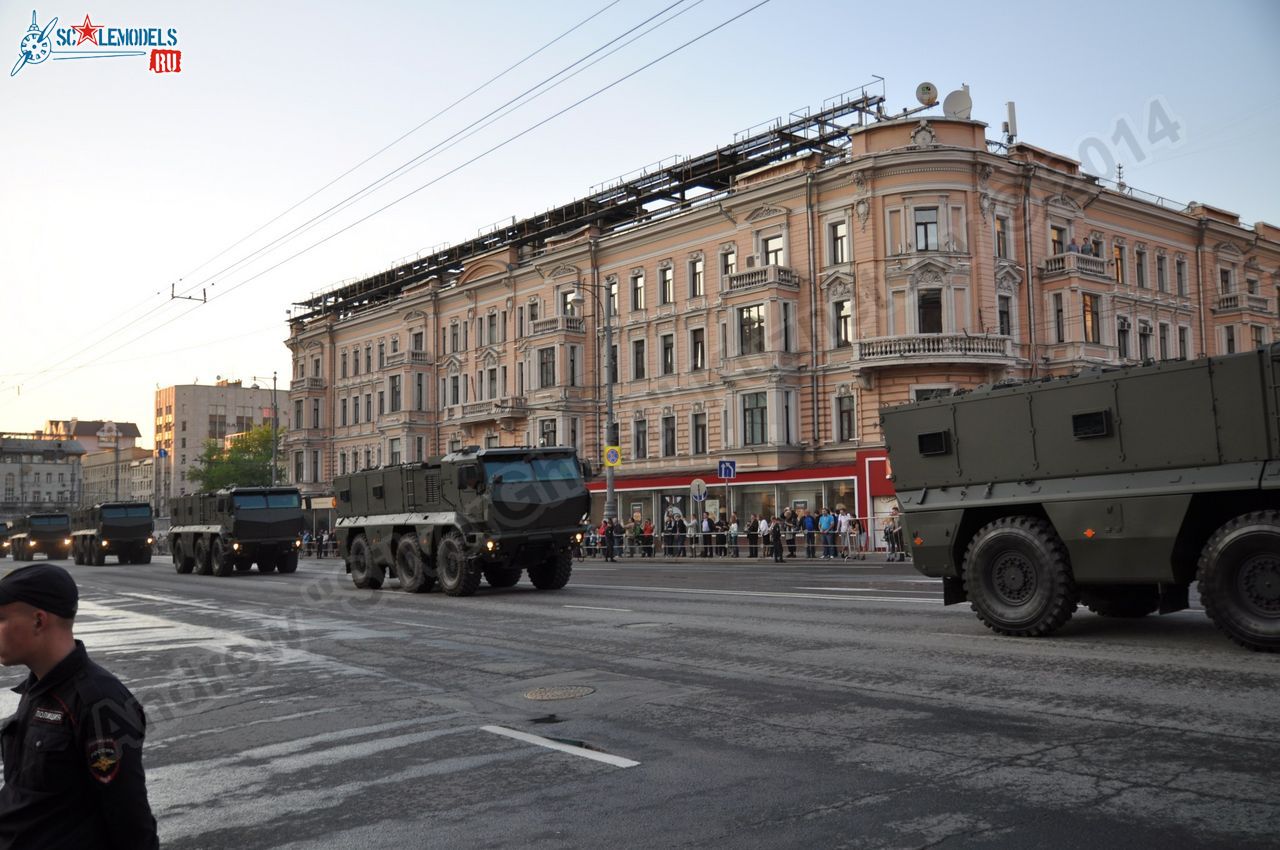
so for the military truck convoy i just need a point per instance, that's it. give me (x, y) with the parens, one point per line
(48, 534)
(231, 530)
(1116, 488)
(123, 529)
(491, 513)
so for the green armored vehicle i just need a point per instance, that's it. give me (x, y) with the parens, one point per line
(123, 529)
(478, 512)
(235, 528)
(1116, 488)
(48, 534)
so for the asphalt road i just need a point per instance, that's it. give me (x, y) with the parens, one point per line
(712, 704)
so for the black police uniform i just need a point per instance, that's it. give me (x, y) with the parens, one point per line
(73, 763)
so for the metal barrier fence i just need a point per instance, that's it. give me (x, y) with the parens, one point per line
(879, 537)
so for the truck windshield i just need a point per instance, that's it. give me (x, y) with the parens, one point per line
(562, 468)
(61, 519)
(256, 501)
(122, 511)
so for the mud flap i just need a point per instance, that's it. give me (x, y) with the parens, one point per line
(953, 591)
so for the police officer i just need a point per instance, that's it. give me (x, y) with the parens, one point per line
(73, 751)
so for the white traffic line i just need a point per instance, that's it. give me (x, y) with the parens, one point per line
(760, 593)
(616, 761)
(598, 608)
(869, 590)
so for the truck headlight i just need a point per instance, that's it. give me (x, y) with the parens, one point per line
(104, 544)
(577, 538)
(235, 547)
(297, 544)
(150, 540)
(490, 545)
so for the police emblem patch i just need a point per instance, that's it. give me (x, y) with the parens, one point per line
(104, 757)
(46, 715)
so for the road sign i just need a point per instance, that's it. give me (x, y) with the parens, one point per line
(728, 469)
(612, 456)
(698, 489)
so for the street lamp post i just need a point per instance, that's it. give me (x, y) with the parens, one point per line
(610, 427)
(275, 423)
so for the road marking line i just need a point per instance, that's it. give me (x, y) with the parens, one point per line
(869, 590)
(597, 608)
(756, 593)
(616, 761)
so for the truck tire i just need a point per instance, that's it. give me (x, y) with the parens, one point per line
(288, 562)
(242, 565)
(553, 573)
(99, 554)
(1239, 572)
(221, 559)
(1127, 600)
(457, 577)
(181, 563)
(498, 577)
(144, 556)
(1018, 578)
(365, 573)
(204, 565)
(77, 551)
(411, 566)
(267, 563)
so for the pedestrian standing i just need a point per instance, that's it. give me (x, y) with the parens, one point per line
(844, 524)
(766, 544)
(810, 526)
(734, 531)
(791, 525)
(775, 539)
(826, 527)
(73, 774)
(706, 534)
(856, 537)
(753, 535)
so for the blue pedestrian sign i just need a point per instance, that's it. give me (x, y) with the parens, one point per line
(728, 469)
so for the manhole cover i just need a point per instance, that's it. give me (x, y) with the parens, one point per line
(562, 692)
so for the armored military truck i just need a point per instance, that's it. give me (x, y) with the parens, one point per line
(48, 534)
(477, 512)
(123, 529)
(1116, 488)
(235, 528)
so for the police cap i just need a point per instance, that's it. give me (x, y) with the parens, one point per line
(44, 586)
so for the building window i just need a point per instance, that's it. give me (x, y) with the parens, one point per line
(520, 322)
(1140, 268)
(637, 291)
(297, 414)
(394, 383)
(1162, 274)
(546, 368)
(843, 310)
(1057, 239)
(845, 413)
(547, 432)
(838, 236)
(1089, 309)
(1184, 343)
(342, 463)
(668, 436)
(729, 262)
(699, 433)
(342, 411)
(315, 414)
(697, 283)
(640, 440)
(613, 296)
(1122, 338)
(1164, 341)
(493, 381)
(1180, 272)
(666, 285)
(1144, 340)
(771, 250)
(493, 337)
(751, 329)
(419, 392)
(929, 311)
(926, 229)
(417, 340)
(382, 402)
(637, 360)
(1229, 340)
(455, 390)
(1059, 319)
(1004, 311)
(393, 450)
(788, 321)
(754, 411)
(573, 366)
(1259, 333)
(697, 349)
(1226, 285)
(668, 354)
(299, 467)
(343, 361)
(1002, 238)
(368, 407)
(355, 410)
(1119, 257)
(455, 337)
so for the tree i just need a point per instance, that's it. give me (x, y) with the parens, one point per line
(247, 462)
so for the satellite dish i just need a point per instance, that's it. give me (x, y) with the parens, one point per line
(927, 94)
(958, 104)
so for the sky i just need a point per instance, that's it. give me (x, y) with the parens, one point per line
(119, 185)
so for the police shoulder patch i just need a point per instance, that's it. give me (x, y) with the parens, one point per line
(104, 756)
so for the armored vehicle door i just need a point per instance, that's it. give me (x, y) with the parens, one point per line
(470, 485)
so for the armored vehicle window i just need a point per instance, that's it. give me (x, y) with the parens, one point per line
(249, 502)
(378, 491)
(344, 495)
(935, 443)
(469, 477)
(121, 512)
(61, 519)
(555, 469)
(560, 468)
(1096, 423)
(284, 500)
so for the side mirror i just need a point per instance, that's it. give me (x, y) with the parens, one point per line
(585, 466)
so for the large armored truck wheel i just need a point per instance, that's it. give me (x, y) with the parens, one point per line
(1018, 578)
(182, 562)
(242, 565)
(143, 556)
(77, 551)
(1124, 600)
(553, 573)
(98, 555)
(365, 574)
(457, 576)
(1239, 573)
(288, 562)
(411, 567)
(222, 559)
(267, 563)
(204, 563)
(498, 577)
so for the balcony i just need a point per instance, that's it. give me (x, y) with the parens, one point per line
(763, 276)
(307, 384)
(1239, 302)
(953, 348)
(557, 324)
(1059, 265)
(502, 408)
(401, 418)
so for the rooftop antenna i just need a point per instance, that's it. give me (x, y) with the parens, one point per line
(958, 104)
(1010, 127)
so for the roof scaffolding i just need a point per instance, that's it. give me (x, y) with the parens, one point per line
(676, 184)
